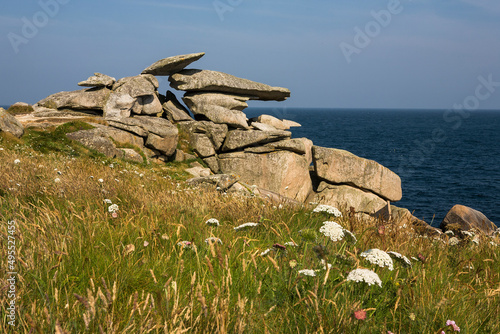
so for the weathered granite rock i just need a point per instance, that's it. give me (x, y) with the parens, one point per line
(98, 80)
(297, 145)
(219, 107)
(198, 171)
(171, 65)
(343, 196)
(291, 124)
(259, 149)
(212, 81)
(118, 105)
(221, 181)
(120, 136)
(174, 110)
(215, 132)
(237, 139)
(131, 154)
(212, 163)
(147, 105)
(283, 172)
(98, 140)
(140, 85)
(160, 133)
(342, 167)
(85, 99)
(8, 123)
(201, 145)
(273, 121)
(263, 127)
(463, 218)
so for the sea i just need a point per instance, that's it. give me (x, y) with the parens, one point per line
(443, 157)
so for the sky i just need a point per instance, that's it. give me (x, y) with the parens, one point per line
(425, 54)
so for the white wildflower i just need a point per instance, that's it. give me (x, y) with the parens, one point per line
(17, 161)
(212, 221)
(57, 180)
(453, 241)
(307, 272)
(401, 258)
(494, 244)
(243, 226)
(291, 243)
(326, 265)
(467, 233)
(449, 232)
(107, 201)
(113, 208)
(101, 180)
(111, 166)
(165, 237)
(332, 230)
(213, 240)
(378, 257)
(264, 253)
(476, 240)
(185, 244)
(364, 275)
(331, 210)
(146, 244)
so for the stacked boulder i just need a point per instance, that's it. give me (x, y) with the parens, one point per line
(259, 151)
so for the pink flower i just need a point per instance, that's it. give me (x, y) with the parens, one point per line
(360, 314)
(389, 332)
(453, 324)
(114, 215)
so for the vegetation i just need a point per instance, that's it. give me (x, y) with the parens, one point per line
(20, 109)
(107, 246)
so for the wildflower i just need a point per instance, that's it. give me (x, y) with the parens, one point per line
(291, 243)
(165, 237)
(185, 244)
(213, 240)
(113, 208)
(378, 257)
(453, 241)
(332, 230)
(307, 272)
(476, 240)
(114, 215)
(467, 233)
(292, 263)
(111, 166)
(57, 180)
(243, 226)
(401, 258)
(128, 249)
(100, 180)
(264, 253)
(146, 244)
(453, 324)
(449, 232)
(212, 221)
(107, 201)
(17, 161)
(360, 314)
(364, 275)
(328, 209)
(326, 265)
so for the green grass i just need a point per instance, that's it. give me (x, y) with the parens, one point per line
(78, 272)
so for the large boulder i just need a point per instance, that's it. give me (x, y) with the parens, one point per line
(344, 196)
(273, 121)
(148, 105)
(212, 81)
(85, 99)
(202, 145)
(139, 85)
(8, 123)
(98, 80)
(342, 167)
(160, 133)
(218, 107)
(463, 218)
(174, 111)
(118, 105)
(237, 139)
(97, 139)
(171, 65)
(283, 172)
(297, 145)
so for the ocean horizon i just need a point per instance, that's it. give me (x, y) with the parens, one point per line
(443, 157)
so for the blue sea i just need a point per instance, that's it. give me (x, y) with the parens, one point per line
(443, 157)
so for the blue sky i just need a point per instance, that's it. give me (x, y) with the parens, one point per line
(426, 54)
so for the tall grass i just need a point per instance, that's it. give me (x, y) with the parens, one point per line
(82, 270)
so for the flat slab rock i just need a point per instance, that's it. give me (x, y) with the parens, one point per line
(466, 218)
(342, 167)
(238, 139)
(98, 80)
(171, 65)
(212, 81)
(85, 99)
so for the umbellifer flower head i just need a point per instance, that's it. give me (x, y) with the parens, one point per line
(364, 275)
(401, 258)
(332, 230)
(378, 257)
(331, 210)
(212, 221)
(113, 208)
(307, 272)
(213, 240)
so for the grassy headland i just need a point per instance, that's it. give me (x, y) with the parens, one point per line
(86, 267)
